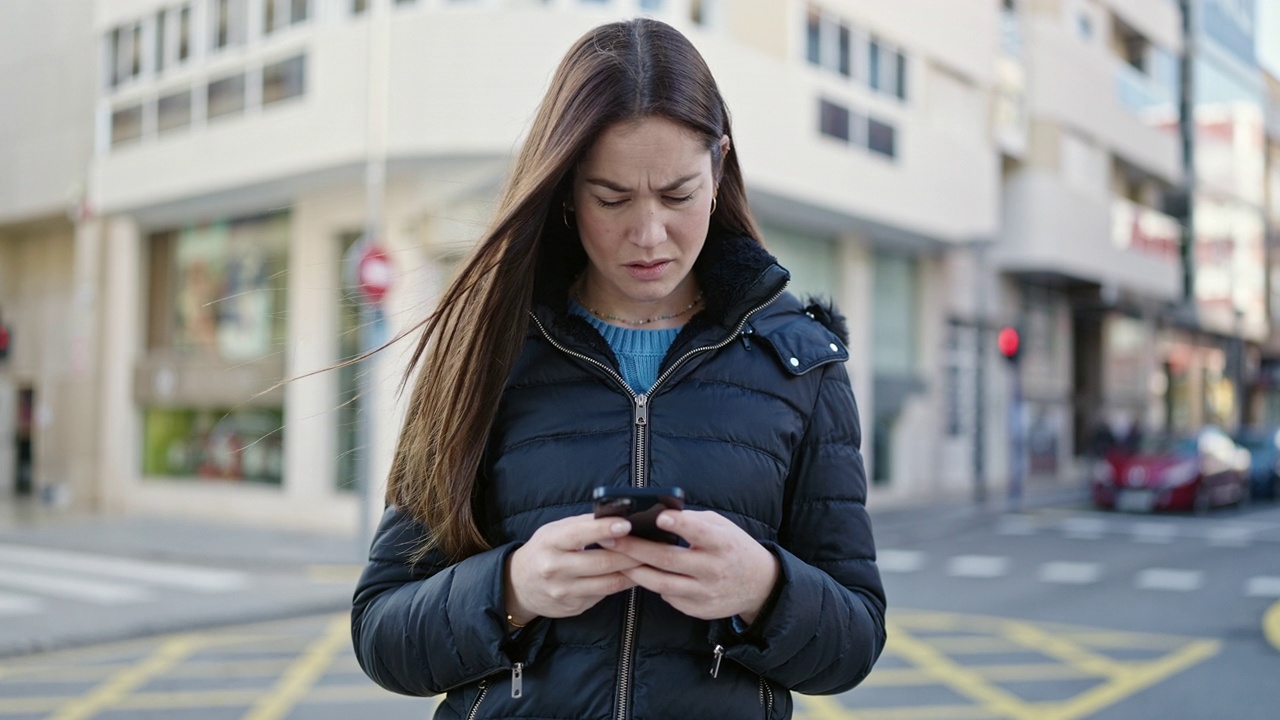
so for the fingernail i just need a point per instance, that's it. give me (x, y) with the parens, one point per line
(619, 527)
(666, 521)
(607, 543)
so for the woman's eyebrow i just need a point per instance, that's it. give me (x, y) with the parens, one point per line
(610, 185)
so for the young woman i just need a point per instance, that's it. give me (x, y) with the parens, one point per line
(621, 325)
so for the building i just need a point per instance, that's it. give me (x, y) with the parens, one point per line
(233, 139)
(49, 383)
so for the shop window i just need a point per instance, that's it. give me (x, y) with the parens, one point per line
(226, 96)
(126, 125)
(218, 289)
(242, 445)
(174, 111)
(284, 80)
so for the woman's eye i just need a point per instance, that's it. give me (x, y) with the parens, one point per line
(610, 203)
(680, 200)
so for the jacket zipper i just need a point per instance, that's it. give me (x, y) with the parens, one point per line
(766, 697)
(639, 476)
(475, 706)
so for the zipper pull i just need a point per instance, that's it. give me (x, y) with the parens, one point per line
(517, 680)
(642, 409)
(747, 332)
(715, 665)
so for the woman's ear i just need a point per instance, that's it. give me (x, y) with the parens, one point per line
(725, 147)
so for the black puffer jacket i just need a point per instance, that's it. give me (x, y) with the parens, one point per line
(753, 416)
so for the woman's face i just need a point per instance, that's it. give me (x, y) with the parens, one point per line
(642, 201)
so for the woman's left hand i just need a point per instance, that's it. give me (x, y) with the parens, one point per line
(724, 571)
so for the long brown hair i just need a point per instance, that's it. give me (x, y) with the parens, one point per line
(615, 73)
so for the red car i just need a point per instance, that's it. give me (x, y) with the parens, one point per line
(1195, 473)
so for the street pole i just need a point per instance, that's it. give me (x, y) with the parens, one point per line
(980, 374)
(1016, 462)
(371, 316)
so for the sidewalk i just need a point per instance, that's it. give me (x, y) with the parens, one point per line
(70, 580)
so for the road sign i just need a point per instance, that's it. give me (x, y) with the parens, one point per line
(373, 273)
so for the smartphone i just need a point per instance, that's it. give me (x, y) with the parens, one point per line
(641, 506)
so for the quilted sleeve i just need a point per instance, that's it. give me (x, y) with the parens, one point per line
(427, 627)
(824, 627)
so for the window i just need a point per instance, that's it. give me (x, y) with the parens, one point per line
(284, 80)
(226, 96)
(698, 12)
(126, 124)
(833, 120)
(813, 37)
(900, 88)
(237, 445)
(124, 54)
(174, 111)
(279, 14)
(881, 137)
(160, 17)
(228, 23)
(359, 6)
(873, 64)
(184, 33)
(845, 49)
(650, 6)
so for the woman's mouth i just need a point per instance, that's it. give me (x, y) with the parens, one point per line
(648, 271)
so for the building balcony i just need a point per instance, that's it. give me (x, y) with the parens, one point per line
(1052, 229)
(1083, 86)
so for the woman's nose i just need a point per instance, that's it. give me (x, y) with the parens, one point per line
(651, 228)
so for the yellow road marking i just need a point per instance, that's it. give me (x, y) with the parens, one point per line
(1059, 648)
(973, 645)
(1125, 640)
(959, 678)
(1131, 681)
(899, 677)
(1271, 625)
(299, 678)
(126, 681)
(339, 574)
(925, 712)
(822, 707)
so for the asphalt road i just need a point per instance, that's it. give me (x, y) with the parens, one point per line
(1053, 614)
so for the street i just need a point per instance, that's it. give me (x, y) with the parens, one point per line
(1058, 612)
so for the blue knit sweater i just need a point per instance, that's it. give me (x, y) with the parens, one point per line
(639, 352)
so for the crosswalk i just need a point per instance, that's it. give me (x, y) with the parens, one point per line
(1233, 533)
(32, 577)
(989, 567)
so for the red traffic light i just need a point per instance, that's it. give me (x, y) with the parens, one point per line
(1009, 342)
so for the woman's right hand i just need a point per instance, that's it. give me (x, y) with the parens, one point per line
(554, 575)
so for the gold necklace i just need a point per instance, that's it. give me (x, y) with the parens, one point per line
(609, 316)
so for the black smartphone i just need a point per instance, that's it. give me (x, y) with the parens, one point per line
(641, 506)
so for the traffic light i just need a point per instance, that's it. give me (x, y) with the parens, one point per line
(1009, 343)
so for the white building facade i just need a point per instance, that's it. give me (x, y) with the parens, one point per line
(232, 141)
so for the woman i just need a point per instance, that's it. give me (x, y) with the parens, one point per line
(620, 324)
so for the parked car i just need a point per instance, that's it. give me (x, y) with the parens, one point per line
(1263, 444)
(1193, 473)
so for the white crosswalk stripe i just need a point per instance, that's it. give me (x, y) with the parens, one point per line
(978, 566)
(19, 605)
(1070, 573)
(1230, 536)
(181, 576)
(1263, 587)
(1084, 528)
(1154, 532)
(73, 588)
(1167, 579)
(899, 561)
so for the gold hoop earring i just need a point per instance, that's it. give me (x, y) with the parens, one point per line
(564, 215)
(713, 204)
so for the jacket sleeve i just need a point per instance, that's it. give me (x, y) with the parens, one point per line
(424, 628)
(823, 627)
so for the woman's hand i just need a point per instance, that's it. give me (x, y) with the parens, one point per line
(724, 571)
(553, 575)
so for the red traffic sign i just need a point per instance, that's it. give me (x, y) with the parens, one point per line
(374, 273)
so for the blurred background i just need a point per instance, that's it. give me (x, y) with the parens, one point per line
(1054, 226)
